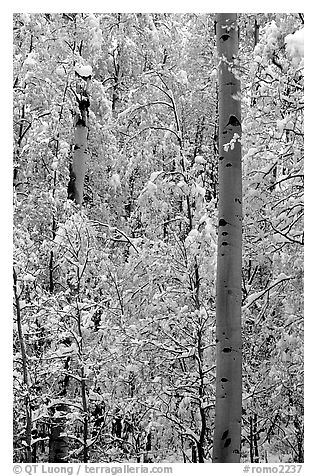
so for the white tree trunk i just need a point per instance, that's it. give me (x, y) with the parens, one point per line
(79, 165)
(229, 262)
(80, 154)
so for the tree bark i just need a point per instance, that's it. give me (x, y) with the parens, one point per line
(58, 439)
(227, 434)
(58, 444)
(79, 165)
(148, 447)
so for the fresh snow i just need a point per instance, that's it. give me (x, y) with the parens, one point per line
(30, 60)
(151, 187)
(295, 44)
(83, 71)
(154, 175)
(200, 160)
(115, 181)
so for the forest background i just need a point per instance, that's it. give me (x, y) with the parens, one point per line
(9, 174)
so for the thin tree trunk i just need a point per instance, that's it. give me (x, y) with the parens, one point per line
(255, 438)
(194, 453)
(251, 439)
(256, 32)
(27, 402)
(85, 411)
(116, 71)
(201, 390)
(83, 378)
(182, 447)
(227, 434)
(83, 390)
(299, 438)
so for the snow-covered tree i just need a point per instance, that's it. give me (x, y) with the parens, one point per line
(116, 198)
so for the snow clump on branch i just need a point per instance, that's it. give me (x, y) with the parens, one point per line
(83, 71)
(295, 44)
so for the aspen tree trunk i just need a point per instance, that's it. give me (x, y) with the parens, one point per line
(58, 439)
(255, 439)
(148, 447)
(58, 444)
(229, 262)
(80, 154)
